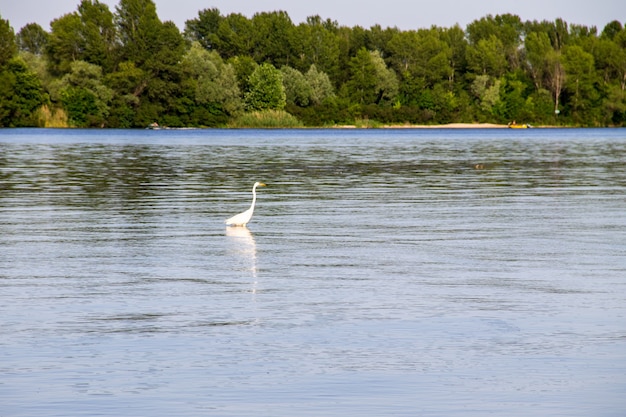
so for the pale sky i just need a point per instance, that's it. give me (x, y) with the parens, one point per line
(404, 14)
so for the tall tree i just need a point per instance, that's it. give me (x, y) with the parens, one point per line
(98, 33)
(371, 81)
(266, 89)
(297, 89)
(8, 47)
(204, 28)
(321, 87)
(235, 34)
(215, 82)
(580, 82)
(555, 72)
(537, 46)
(84, 95)
(65, 43)
(316, 43)
(32, 38)
(487, 57)
(273, 38)
(455, 38)
(507, 28)
(21, 94)
(85, 35)
(156, 48)
(138, 30)
(361, 87)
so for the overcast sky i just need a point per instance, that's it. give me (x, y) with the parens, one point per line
(405, 14)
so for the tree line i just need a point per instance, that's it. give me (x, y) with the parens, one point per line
(127, 68)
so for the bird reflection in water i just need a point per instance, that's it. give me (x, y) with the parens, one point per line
(243, 248)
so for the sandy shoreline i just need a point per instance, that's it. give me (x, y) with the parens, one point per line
(452, 126)
(443, 126)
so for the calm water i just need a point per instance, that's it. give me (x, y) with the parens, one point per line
(385, 272)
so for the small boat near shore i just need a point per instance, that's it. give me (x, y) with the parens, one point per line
(514, 125)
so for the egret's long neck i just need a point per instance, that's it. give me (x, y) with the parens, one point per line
(253, 197)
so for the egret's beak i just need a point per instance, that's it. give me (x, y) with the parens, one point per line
(262, 184)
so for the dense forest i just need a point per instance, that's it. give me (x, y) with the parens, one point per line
(126, 68)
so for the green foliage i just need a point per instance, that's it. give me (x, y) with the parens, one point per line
(487, 92)
(204, 28)
(320, 84)
(487, 57)
(244, 66)
(371, 81)
(8, 47)
(85, 35)
(83, 95)
(33, 39)
(580, 82)
(297, 89)
(130, 69)
(214, 82)
(361, 88)
(21, 94)
(266, 89)
(272, 38)
(316, 43)
(138, 28)
(266, 119)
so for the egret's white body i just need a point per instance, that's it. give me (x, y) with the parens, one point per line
(242, 219)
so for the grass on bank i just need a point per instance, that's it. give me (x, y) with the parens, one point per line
(266, 119)
(54, 117)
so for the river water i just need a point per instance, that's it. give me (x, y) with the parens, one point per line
(384, 273)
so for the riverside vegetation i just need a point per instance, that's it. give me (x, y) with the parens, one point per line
(126, 68)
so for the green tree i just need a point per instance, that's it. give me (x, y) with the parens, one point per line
(321, 87)
(555, 76)
(404, 53)
(316, 43)
(273, 38)
(128, 83)
(610, 58)
(244, 67)
(297, 89)
(487, 90)
(21, 94)
(361, 87)
(138, 29)
(204, 28)
(434, 58)
(454, 37)
(537, 46)
(84, 95)
(8, 47)
(235, 35)
(387, 81)
(580, 82)
(487, 57)
(266, 89)
(64, 44)
(612, 29)
(214, 81)
(98, 33)
(506, 28)
(371, 81)
(157, 49)
(33, 39)
(85, 35)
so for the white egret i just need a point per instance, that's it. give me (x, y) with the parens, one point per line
(242, 219)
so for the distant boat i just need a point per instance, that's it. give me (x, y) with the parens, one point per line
(514, 125)
(153, 126)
